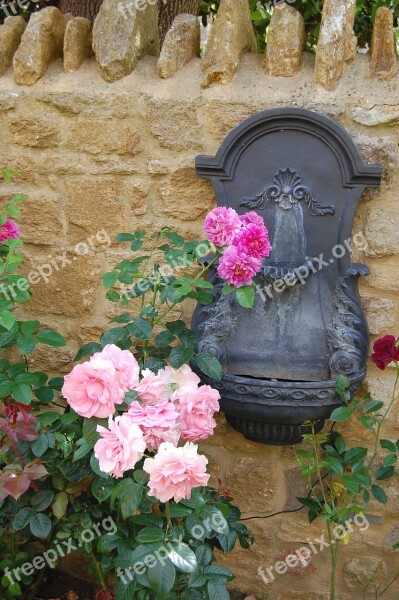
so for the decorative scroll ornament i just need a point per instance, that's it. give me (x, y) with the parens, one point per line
(287, 190)
(347, 335)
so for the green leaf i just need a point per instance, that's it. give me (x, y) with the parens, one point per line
(125, 237)
(89, 430)
(372, 406)
(217, 591)
(379, 494)
(51, 338)
(113, 336)
(209, 364)
(384, 473)
(343, 413)
(22, 393)
(125, 591)
(26, 343)
(44, 394)
(245, 296)
(40, 525)
(227, 540)
(48, 418)
(179, 356)
(130, 499)
(83, 448)
(42, 500)
(351, 484)
(342, 386)
(7, 319)
(161, 578)
(102, 489)
(40, 445)
(389, 460)
(174, 238)
(182, 557)
(228, 289)
(6, 387)
(388, 445)
(22, 518)
(109, 279)
(140, 328)
(149, 535)
(138, 240)
(334, 464)
(28, 327)
(165, 338)
(176, 327)
(219, 571)
(88, 350)
(60, 504)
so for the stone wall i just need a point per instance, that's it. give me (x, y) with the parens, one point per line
(97, 158)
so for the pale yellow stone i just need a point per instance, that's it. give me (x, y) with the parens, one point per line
(122, 34)
(99, 137)
(186, 197)
(384, 61)
(231, 35)
(35, 132)
(182, 43)
(255, 474)
(10, 37)
(77, 43)
(337, 43)
(379, 313)
(41, 43)
(285, 42)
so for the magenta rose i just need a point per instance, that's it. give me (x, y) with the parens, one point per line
(9, 231)
(253, 240)
(196, 413)
(121, 446)
(386, 350)
(251, 217)
(92, 389)
(126, 366)
(238, 268)
(221, 226)
(174, 472)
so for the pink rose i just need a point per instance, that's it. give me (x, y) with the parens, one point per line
(221, 225)
(9, 231)
(238, 268)
(92, 389)
(151, 387)
(251, 217)
(196, 413)
(156, 421)
(174, 472)
(155, 436)
(127, 367)
(253, 240)
(179, 381)
(121, 446)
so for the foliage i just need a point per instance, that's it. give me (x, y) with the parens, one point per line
(343, 480)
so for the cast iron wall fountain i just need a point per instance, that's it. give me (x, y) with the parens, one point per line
(303, 173)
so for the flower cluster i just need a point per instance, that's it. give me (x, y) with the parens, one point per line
(245, 241)
(9, 231)
(170, 405)
(386, 350)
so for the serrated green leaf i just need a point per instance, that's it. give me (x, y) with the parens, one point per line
(22, 393)
(245, 296)
(379, 494)
(40, 525)
(51, 338)
(180, 355)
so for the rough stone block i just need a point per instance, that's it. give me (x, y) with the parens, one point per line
(358, 570)
(10, 37)
(35, 132)
(40, 219)
(166, 118)
(285, 42)
(8, 101)
(384, 61)
(88, 103)
(42, 42)
(122, 34)
(182, 43)
(381, 229)
(99, 137)
(384, 275)
(93, 205)
(231, 35)
(257, 475)
(379, 313)
(77, 43)
(186, 197)
(378, 115)
(336, 47)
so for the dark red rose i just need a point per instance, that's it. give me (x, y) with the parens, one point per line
(385, 351)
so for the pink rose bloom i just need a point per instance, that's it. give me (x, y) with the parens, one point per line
(121, 446)
(253, 240)
(9, 231)
(221, 225)
(196, 413)
(163, 414)
(157, 435)
(127, 367)
(179, 381)
(238, 268)
(92, 389)
(174, 472)
(251, 217)
(151, 387)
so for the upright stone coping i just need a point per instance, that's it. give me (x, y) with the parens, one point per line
(78, 42)
(285, 42)
(123, 32)
(182, 43)
(231, 35)
(10, 37)
(337, 43)
(41, 43)
(384, 61)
